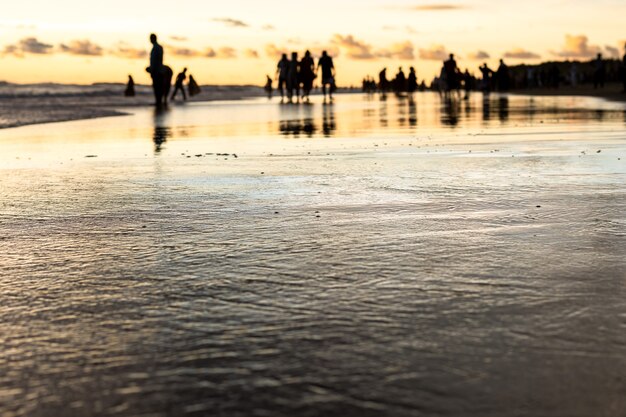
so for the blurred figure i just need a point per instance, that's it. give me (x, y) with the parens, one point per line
(503, 77)
(179, 85)
(468, 84)
(193, 87)
(383, 82)
(130, 87)
(599, 74)
(282, 74)
(486, 80)
(268, 86)
(293, 81)
(412, 81)
(451, 74)
(399, 83)
(328, 74)
(307, 75)
(161, 77)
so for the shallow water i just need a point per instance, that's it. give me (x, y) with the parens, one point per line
(365, 258)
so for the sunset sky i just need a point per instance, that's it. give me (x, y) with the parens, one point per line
(236, 41)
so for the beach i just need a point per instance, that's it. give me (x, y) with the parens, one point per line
(368, 257)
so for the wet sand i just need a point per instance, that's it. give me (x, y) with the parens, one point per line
(366, 258)
(612, 91)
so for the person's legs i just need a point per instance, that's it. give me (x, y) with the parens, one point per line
(184, 94)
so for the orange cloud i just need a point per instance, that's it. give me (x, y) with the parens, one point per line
(519, 53)
(354, 48)
(478, 55)
(434, 53)
(578, 47)
(83, 47)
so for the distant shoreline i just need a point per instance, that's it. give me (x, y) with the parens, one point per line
(25, 108)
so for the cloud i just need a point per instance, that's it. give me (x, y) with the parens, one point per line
(407, 29)
(222, 53)
(183, 52)
(437, 7)
(122, 50)
(354, 48)
(577, 47)
(251, 53)
(232, 22)
(28, 45)
(273, 51)
(268, 27)
(611, 51)
(82, 47)
(434, 53)
(478, 55)
(404, 51)
(179, 38)
(519, 53)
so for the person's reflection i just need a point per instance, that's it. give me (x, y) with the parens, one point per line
(486, 109)
(503, 109)
(295, 124)
(161, 131)
(383, 112)
(328, 120)
(450, 112)
(412, 112)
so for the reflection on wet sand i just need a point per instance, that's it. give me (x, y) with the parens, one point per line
(161, 129)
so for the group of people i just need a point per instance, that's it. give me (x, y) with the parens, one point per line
(162, 78)
(296, 76)
(401, 83)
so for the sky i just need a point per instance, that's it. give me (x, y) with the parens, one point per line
(238, 41)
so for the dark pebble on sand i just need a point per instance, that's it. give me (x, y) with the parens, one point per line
(235, 155)
(91, 156)
(538, 206)
(599, 151)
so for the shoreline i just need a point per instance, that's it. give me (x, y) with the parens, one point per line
(21, 111)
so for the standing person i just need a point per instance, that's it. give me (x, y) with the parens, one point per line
(383, 82)
(328, 74)
(293, 81)
(268, 86)
(486, 81)
(193, 87)
(282, 74)
(599, 74)
(399, 83)
(502, 76)
(451, 71)
(468, 84)
(130, 87)
(156, 70)
(180, 79)
(412, 80)
(307, 75)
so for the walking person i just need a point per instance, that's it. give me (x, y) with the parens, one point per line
(412, 81)
(328, 74)
(307, 75)
(282, 75)
(179, 86)
(293, 80)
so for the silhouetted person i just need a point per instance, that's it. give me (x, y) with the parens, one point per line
(328, 74)
(130, 87)
(451, 74)
(157, 70)
(599, 74)
(268, 86)
(179, 86)
(293, 81)
(502, 76)
(282, 75)
(193, 87)
(399, 83)
(383, 82)
(412, 81)
(307, 75)
(486, 81)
